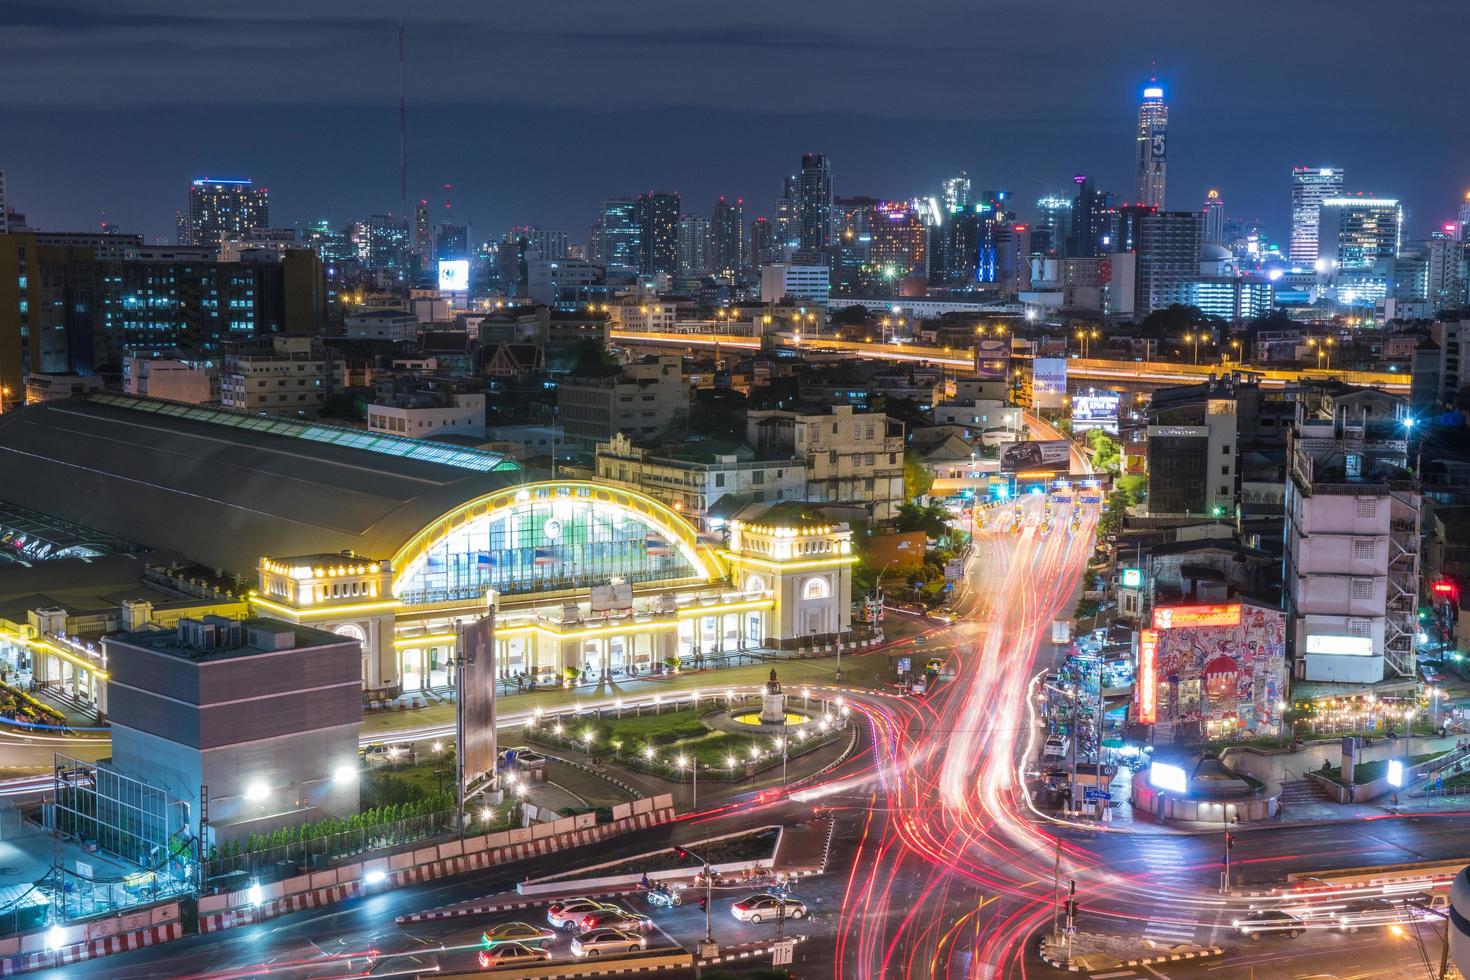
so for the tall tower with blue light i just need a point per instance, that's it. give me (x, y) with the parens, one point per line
(1152, 149)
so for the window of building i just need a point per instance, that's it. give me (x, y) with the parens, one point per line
(1367, 507)
(719, 479)
(1224, 471)
(1362, 588)
(1360, 627)
(1362, 547)
(1225, 449)
(816, 587)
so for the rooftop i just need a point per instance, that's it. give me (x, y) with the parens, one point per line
(230, 639)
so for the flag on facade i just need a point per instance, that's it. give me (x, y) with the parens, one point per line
(656, 546)
(544, 556)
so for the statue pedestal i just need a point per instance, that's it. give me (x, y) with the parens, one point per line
(773, 708)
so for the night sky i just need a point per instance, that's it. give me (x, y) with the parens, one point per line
(536, 111)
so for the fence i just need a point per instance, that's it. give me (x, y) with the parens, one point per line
(287, 859)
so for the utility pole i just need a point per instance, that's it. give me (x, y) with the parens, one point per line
(1056, 888)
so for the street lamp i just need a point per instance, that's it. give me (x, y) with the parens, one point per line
(1194, 338)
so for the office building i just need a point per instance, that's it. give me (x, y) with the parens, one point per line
(219, 208)
(641, 401)
(619, 237)
(421, 241)
(898, 240)
(1214, 218)
(955, 193)
(808, 283)
(658, 233)
(763, 243)
(4, 207)
(1310, 186)
(1439, 368)
(1352, 544)
(170, 379)
(852, 457)
(1089, 236)
(428, 410)
(188, 713)
(380, 243)
(554, 281)
(1193, 448)
(285, 374)
(1448, 273)
(1167, 244)
(814, 201)
(1151, 150)
(728, 231)
(1053, 227)
(1356, 232)
(693, 236)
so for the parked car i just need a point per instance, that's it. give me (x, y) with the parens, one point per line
(565, 914)
(1272, 922)
(600, 941)
(764, 908)
(516, 932)
(614, 918)
(512, 954)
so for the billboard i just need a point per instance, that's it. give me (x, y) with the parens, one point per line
(475, 645)
(454, 275)
(1342, 646)
(614, 596)
(993, 358)
(1148, 676)
(1049, 382)
(1179, 617)
(1053, 455)
(1095, 411)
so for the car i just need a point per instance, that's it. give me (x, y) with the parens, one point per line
(614, 918)
(565, 914)
(764, 908)
(1366, 913)
(512, 954)
(600, 941)
(1272, 922)
(1422, 905)
(516, 932)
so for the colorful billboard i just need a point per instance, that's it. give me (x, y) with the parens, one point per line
(993, 358)
(1095, 411)
(1049, 382)
(1222, 674)
(1148, 676)
(1053, 455)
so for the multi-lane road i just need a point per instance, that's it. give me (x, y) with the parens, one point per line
(940, 866)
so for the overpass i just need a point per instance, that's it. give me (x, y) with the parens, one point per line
(1083, 368)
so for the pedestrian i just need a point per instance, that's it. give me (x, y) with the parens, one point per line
(1280, 810)
(644, 883)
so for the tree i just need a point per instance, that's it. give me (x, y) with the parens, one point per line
(933, 520)
(916, 476)
(1106, 454)
(1134, 485)
(343, 405)
(592, 360)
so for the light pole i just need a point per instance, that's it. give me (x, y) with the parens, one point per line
(1226, 820)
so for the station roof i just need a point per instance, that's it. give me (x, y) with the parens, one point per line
(224, 488)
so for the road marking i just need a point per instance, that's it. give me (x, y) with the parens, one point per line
(1112, 976)
(1162, 976)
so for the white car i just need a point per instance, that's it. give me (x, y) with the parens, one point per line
(600, 941)
(765, 908)
(567, 913)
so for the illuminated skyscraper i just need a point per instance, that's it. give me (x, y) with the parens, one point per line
(658, 232)
(1152, 148)
(814, 201)
(956, 193)
(617, 237)
(1463, 217)
(422, 246)
(693, 237)
(763, 247)
(224, 208)
(728, 229)
(1214, 211)
(1310, 186)
(1356, 232)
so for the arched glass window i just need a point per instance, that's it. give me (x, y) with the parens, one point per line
(754, 583)
(352, 631)
(816, 587)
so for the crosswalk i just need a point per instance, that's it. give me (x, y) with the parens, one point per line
(1166, 923)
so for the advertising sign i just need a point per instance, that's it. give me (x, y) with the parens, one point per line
(1346, 646)
(1053, 455)
(476, 647)
(1132, 578)
(1179, 617)
(993, 358)
(1170, 779)
(1095, 411)
(454, 275)
(1049, 382)
(609, 597)
(1148, 679)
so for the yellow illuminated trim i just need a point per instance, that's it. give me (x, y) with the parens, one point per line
(664, 518)
(69, 657)
(324, 612)
(787, 566)
(624, 627)
(698, 612)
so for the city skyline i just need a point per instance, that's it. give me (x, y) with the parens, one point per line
(333, 153)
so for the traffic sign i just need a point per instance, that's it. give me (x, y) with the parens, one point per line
(1092, 793)
(781, 953)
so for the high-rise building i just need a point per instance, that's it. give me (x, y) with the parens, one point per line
(1053, 226)
(694, 245)
(956, 192)
(1152, 145)
(381, 241)
(814, 201)
(1310, 186)
(1168, 247)
(728, 229)
(1463, 217)
(788, 221)
(763, 246)
(619, 236)
(452, 241)
(1355, 232)
(658, 232)
(423, 238)
(224, 208)
(1214, 212)
(1089, 236)
(4, 208)
(898, 240)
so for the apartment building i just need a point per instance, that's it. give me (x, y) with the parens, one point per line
(699, 473)
(640, 401)
(851, 457)
(284, 374)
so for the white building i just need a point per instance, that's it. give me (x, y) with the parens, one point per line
(60, 387)
(460, 413)
(979, 417)
(852, 457)
(1352, 558)
(695, 477)
(284, 374)
(381, 325)
(171, 379)
(641, 401)
(809, 283)
(1310, 186)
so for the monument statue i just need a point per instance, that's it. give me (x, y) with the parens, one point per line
(773, 702)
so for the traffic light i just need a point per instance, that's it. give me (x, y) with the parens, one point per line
(1072, 908)
(1229, 841)
(683, 854)
(704, 905)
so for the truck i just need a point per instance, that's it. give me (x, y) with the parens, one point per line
(1061, 631)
